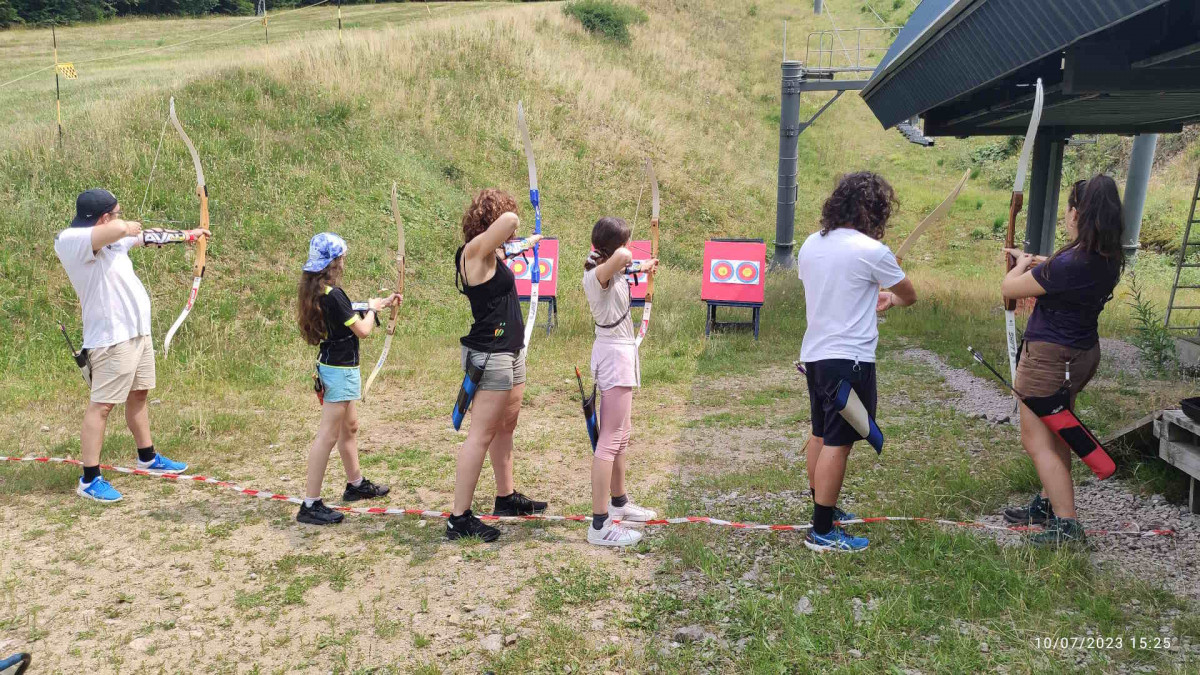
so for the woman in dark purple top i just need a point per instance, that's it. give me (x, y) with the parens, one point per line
(1062, 345)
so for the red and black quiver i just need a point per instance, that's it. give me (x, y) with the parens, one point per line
(1055, 412)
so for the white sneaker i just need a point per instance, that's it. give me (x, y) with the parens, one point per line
(631, 513)
(612, 534)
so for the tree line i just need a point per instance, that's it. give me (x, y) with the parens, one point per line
(62, 12)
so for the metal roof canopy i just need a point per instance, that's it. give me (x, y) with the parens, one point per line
(1109, 66)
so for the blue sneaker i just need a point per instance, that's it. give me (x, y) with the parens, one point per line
(841, 516)
(162, 464)
(835, 540)
(99, 490)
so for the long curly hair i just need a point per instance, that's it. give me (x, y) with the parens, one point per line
(863, 201)
(608, 234)
(309, 314)
(488, 205)
(1099, 223)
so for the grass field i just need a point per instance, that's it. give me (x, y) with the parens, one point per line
(307, 135)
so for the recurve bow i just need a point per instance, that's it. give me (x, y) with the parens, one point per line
(653, 250)
(935, 216)
(535, 200)
(1014, 208)
(202, 243)
(391, 327)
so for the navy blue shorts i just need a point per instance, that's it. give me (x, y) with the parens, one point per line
(823, 378)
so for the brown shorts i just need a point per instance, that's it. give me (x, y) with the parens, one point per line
(1043, 368)
(122, 368)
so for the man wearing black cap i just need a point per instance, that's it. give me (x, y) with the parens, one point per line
(116, 328)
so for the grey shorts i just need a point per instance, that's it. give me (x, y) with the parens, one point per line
(503, 371)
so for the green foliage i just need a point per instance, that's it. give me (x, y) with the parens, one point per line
(606, 18)
(1151, 337)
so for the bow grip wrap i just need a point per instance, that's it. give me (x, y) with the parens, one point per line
(466, 392)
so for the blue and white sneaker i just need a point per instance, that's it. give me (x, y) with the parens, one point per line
(162, 464)
(840, 516)
(99, 490)
(835, 540)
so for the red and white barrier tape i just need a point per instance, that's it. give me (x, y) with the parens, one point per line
(381, 511)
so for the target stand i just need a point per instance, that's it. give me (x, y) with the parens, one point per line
(547, 282)
(734, 276)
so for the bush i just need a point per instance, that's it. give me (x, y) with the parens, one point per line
(606, 18)
(1151, 337)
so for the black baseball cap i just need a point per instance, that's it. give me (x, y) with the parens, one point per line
(90, 205)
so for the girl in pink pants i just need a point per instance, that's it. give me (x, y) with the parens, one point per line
(615, 364)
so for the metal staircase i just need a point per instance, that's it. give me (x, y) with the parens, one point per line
(1192, 329)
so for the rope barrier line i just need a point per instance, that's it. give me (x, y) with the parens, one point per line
(424, 513)
(203, 36)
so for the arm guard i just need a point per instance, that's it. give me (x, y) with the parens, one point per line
(160, 237)
(362, 308)
(515, 248)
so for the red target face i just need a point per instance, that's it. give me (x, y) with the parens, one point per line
(519, 268)
(722, 271)
(747, 272)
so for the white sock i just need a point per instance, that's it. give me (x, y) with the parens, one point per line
(309, 501)
(357, 482)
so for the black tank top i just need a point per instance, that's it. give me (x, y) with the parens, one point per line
(495, 308)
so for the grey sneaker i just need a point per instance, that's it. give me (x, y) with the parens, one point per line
(1060, 531)
(1038, 512)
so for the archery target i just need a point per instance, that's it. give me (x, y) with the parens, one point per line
(747, 272)
(522, 268)
(735, 272)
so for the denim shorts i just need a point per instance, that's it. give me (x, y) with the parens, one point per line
(341, 383)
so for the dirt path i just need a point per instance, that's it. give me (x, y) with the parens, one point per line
(194, 574)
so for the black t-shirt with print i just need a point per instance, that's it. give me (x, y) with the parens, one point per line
(340, 346)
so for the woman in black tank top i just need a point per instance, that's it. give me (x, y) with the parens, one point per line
(495, 343)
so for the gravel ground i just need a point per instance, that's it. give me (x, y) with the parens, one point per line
(1172, 562)
(977, 398)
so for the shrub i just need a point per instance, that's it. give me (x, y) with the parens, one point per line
(606, 18)
(1153, 340)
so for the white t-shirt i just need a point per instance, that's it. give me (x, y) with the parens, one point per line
(115, 305)
(843, 272)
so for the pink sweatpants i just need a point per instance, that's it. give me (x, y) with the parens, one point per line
(616, 421)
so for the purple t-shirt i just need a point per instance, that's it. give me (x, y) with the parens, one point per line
(1077, 287)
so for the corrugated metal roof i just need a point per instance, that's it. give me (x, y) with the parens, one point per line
(952, 48)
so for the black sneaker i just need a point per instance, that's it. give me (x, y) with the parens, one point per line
(517, 504)
(319, 514)
(1060, 532)
(365, 490)
(467, 525)
(1039, 512)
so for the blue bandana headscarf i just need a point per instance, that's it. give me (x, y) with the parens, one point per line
(324, 249)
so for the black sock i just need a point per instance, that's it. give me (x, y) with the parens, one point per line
(822, 518)
(466, 515)
(146, 454)
(505, 498)
(620, 501)
(91, 473)
(598, 520)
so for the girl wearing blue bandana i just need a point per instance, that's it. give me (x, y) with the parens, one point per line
(328, 319)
